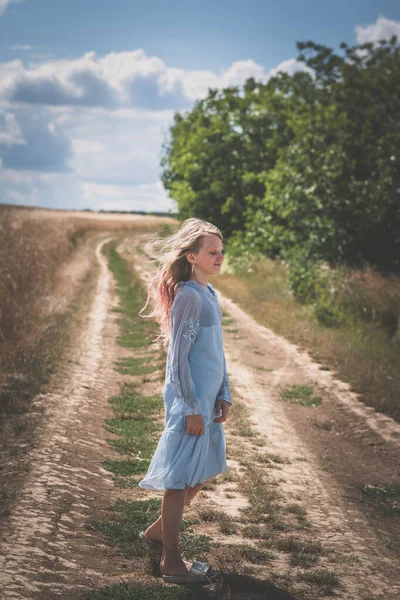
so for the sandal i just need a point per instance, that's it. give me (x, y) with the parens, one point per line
(199, 573)
(151, 544)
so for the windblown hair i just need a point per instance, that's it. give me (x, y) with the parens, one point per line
(173, 267)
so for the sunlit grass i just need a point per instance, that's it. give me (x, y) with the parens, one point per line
(362, 353)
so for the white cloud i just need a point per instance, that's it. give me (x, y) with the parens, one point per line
(60, 190)
(10, 130)
(33, 188)
(122, 79)
(290, 66)
(93, 127)
(382, 29)
(83, 146)
(4, 4)
(116, 79)
(118, 147)
(43, 148)
(148, 197)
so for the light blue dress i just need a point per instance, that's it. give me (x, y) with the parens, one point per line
(195, 379)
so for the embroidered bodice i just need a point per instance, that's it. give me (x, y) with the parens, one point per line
(195, 307)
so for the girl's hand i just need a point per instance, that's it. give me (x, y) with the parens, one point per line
(221, 406)
(195, 424)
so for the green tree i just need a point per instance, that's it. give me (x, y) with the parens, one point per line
(305, 164)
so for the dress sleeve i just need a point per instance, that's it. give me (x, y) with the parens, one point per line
(224, 392)
(185, 323)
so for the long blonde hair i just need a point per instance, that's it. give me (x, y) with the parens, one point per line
(173, 267)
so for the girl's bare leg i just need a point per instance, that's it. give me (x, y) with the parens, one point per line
(154, 531)
(171, 514)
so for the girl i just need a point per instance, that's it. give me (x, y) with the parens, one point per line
(192, 448)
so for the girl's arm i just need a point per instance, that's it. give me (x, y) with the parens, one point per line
(185, 314)
(224, 399)
(225, 392)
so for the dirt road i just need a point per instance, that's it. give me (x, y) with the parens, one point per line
(45, 549)
(46, 552)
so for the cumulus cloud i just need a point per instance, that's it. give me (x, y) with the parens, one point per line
(61, 190)
(121, 79)
(29, 141)
(148, 197)
(87, 133)
(119, 147)
(10, 131)
(4, 4)
(382, 29)
(290, 66)
(33, 188)
(117, 79)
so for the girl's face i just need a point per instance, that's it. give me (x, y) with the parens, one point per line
(210, 256)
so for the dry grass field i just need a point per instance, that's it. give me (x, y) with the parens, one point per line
(48, 273)
(45, 255)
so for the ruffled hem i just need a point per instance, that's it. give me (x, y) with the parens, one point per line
(184, 460)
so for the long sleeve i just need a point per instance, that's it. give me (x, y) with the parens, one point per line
(224, 392)
(185, 323)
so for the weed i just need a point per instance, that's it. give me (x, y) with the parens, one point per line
(227, 321)
(126, 467)
(385, 497)
(239, 420)
(211, 485)
(127, 520)
(296, 546)
(321, 577)
(305, 561)
(271, 459)
(211, 515)
(230, 476)
(227, 525)
(195, 546)
(255, 555)
(299, 394)
(296, 509)
(326, 425)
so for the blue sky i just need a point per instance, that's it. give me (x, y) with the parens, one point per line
(88, 88)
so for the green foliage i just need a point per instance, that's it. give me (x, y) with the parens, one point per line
(386, 498)
(306, 162)
(299, 394)
(126, 520)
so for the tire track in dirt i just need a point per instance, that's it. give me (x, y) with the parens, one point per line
(340, 527)
(386, 427)
(46, 550)
(367, 569)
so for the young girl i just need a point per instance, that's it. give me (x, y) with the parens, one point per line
(192, 448)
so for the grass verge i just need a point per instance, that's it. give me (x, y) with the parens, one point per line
(360, 352)
(135, 427)
(275, 530)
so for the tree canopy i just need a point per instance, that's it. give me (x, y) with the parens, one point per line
(304, 163)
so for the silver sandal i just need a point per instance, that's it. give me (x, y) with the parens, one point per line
(199, 573)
